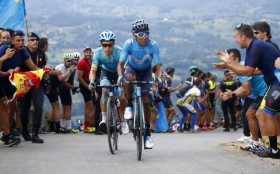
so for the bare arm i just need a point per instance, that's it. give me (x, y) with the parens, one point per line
(29, 63)
(234, 66)
(81, 79)
(92, 74)
(244, 90)
(66, 76)
(120, 68)
(4, 74)
(242, 70)
(8, 55)
(277, 63)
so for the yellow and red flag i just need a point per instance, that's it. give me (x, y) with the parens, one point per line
(24, 81)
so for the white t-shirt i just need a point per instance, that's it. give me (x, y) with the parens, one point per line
(189, 96)
(194, 91)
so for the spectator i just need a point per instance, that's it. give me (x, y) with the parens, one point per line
(83, 71)
(5, 37)
(11, 59)
(170, 109)
(262, 31)
(66, 76)
(228, 106)
(34, 96)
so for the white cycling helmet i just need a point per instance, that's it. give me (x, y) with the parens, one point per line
(107, 36)
(76, 55)
(67, 55)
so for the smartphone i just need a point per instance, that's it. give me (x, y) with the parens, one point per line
(11, 46)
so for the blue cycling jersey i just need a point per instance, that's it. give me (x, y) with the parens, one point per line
(108, 63)
(139, 57)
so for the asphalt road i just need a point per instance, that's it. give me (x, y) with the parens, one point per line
(173, 154)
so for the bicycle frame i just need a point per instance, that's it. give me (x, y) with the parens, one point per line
(136, 95)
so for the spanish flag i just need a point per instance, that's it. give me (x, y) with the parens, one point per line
(24, 81)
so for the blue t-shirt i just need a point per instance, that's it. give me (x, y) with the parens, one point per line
(262, 55)
(16, 61)
(258, 85)
(138, 57)
(108, 63)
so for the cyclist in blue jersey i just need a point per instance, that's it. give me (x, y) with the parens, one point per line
(107, 58)
(139, 55)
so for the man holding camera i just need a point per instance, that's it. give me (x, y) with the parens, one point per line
(66, 77)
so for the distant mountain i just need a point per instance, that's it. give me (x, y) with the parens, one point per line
(188, 31)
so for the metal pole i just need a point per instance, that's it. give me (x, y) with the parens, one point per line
(25, 18)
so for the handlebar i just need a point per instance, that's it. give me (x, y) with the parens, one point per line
(108, 86)
(140, 82)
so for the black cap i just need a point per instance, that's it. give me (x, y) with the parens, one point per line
(18, 33)
(170, 70)
(31, 34)
(262, 26)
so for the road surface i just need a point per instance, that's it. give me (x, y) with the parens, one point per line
(173, 154)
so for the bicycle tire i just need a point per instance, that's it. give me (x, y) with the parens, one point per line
(111, 125)
(139, 127)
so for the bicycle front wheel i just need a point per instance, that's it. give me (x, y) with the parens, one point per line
(111, 125)
(139, 127)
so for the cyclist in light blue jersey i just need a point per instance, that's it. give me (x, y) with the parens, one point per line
(139, 56)
(107, 58)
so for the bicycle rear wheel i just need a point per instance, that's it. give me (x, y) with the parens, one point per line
(111, 125)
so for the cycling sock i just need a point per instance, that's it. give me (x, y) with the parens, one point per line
(63, 123)
(104, 115)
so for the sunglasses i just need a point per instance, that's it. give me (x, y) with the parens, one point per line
(107, 45)
(142, 34)
(32, 40)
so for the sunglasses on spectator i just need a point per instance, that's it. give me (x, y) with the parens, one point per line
(142, 34)
(32, 40)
